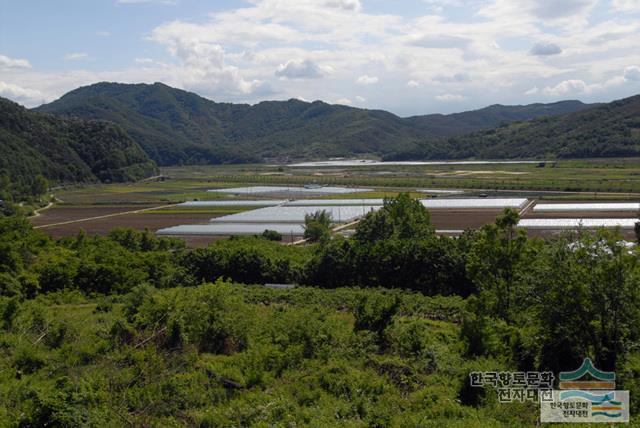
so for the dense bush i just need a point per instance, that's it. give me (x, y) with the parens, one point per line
(133, 329)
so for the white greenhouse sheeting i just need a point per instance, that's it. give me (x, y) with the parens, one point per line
(286, 214)
(234, 203)
(290, 189)
(233, 229)
(441, 191)
(336, 202)
(367, 162)
(574, 223)
(609, 206)
(479, 203)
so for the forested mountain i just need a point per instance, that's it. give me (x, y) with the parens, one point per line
(448, 125)
(607, 130)
(179, 127)
(65, 149)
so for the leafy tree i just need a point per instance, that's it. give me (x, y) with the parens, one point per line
(493, 260)
(39, 186)
(317, 226)
(271, 235)
(401, 217)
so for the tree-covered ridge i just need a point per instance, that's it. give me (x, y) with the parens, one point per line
(66, 149)
(606, 130)
(179, 127)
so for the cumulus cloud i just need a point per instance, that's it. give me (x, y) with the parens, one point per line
(353, 5)
(632, 74)
(366, 80)
(6, 62)
(301, 69)
(439, 41)
(342, 101)
(626, 5)
(456, 78)
(567, 87)
(204, 69)
(552, 12)
(449, 97)
(29, 97)
(545, 49)
(76, 55)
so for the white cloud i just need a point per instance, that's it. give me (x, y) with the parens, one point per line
(353, 5)
(567, 87)
(532, 91)
(76, 55)
(301, 69)
(342, 101)
(456, 78)
(449, 97)
(103, 33)
(21, 95)
(366, 80)
(547, 12)
(413, 84)
(545, 49)
(632, 74)
(626, 5)
(204, 69)
(439, 41)
(6, 62)
(360, 99)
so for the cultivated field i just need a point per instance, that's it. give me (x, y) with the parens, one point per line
(154, 205)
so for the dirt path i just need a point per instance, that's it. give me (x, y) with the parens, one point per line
(102, 216)
(36, 213)
(527, 207)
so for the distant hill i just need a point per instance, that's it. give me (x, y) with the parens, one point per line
(66, 149)
(491, 117)
(606, 130)
(178, 127)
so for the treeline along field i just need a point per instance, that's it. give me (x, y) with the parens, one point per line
(131, 329)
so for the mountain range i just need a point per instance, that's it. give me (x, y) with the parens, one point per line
(178, 127)
(120, 132)
(604, 130)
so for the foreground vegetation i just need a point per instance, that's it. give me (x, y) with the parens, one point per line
(130, 329)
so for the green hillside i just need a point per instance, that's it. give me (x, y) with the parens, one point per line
(65, 150)
(607, 130)
(177, 127)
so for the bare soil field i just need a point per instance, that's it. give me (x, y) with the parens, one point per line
(462, 219)
(102, 226)
(58, 214)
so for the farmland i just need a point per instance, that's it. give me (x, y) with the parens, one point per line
(154, 205)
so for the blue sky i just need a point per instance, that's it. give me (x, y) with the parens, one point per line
(406, 56)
